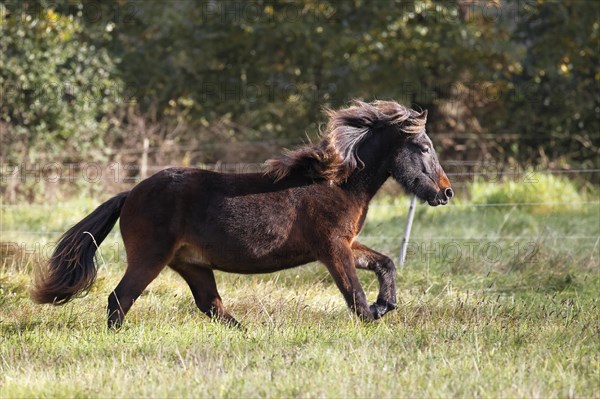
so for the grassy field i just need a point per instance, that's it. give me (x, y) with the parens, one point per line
(493, 302)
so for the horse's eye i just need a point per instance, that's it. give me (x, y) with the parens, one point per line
(424, 149)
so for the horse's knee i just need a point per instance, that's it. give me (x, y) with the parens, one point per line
(388, 266)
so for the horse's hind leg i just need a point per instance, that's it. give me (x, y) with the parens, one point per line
(146, 257)
(204, 289)
(384, 268)
(137, 277)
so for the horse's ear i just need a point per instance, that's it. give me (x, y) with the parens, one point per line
(423, 115)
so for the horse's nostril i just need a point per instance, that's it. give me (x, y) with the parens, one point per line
(449, 193)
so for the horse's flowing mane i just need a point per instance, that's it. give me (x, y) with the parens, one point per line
(334, 157)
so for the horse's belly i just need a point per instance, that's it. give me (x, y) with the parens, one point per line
(252, 233)
(230, 256)
(266, 264)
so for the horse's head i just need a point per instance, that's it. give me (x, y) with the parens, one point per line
(382, 134)
(416, 167)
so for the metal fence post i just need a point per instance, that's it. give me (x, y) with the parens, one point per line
(407, 228)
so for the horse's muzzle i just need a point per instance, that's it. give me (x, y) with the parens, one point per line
(442, 197)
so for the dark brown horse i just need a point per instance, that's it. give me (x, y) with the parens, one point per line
(310, 204)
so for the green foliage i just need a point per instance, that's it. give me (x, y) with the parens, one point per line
(56, 85)
(274, 65)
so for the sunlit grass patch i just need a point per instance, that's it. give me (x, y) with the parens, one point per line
(541, 192)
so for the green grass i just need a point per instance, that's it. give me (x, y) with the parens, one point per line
(493, 302)
(533, 188)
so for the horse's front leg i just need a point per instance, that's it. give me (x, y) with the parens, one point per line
(384, 268)
(340, 263)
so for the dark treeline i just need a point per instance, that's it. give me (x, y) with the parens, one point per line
(512, 81)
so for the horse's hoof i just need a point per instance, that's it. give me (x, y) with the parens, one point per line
(379, 308)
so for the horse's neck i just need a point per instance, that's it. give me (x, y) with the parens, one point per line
(365, 182)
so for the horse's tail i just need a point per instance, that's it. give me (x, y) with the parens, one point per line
(71, 269)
